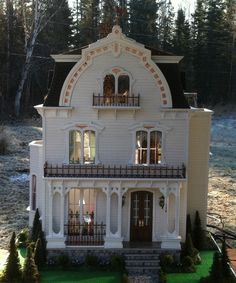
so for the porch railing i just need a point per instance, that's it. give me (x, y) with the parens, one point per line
(102, 171)
(116, 100)
(84, 234)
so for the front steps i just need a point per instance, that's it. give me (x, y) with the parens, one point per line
(143, 262)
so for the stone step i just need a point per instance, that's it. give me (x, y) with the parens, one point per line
(142, 263)
(141, 257)
(133, 270)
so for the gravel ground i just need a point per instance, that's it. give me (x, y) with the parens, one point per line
(14, 169)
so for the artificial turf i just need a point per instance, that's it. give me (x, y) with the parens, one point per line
(202, 271)
(79, 276)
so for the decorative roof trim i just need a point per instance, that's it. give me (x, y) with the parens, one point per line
(116, 42)
(167, 59)
(66, 57)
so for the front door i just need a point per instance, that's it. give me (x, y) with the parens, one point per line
(141, 217)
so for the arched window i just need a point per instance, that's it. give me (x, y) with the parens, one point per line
(75, 147)
(141, 147)
(33, 192)
(82, 147)
(89, 147)
(148, 147)
(123, 85)
(109, 85)
(155, 147)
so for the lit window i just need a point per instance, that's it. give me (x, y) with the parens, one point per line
(82, 147)
(33, 187)
(148, 147)
(109, 85)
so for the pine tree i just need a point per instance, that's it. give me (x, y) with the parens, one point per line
(188, 225)
(166, 25)
(226, 272)
(216, 269)
(12, 272)
(198, 233)
(30, 272)
(143, 21)
(39, 254)
(37, 227)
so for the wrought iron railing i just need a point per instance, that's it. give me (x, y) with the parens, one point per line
(85, 234)
(116, 100)
(102, 171)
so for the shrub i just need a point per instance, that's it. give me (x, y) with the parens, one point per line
(37, 227)
(125, 278)
(30, 271)
(39, 254)
(12, 272)
(188, 264)
(162, 276)
(23, 238)
(63, 261)
(167, 261)
(91, 261)
(117, 263)
(188, 225)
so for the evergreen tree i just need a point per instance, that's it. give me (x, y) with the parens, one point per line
(143, 21)
(198, 233)
(12, 272)
(188, 225)
(166, 25)
(216, 269)
(37, 227)
(199, 47)
(39, 258)
(226, 272)
(123, 7)
(30, 272)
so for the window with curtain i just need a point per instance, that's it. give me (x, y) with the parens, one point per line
(82, 147)
(148, 147)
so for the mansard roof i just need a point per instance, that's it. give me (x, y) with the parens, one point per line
(166, 62)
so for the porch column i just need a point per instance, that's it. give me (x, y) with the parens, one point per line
(62, 212)
(166, 204)
(177, 208)
(50, 198)
(119, 212)
(108, 216)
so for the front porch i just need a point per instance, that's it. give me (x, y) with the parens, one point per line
(113, 216)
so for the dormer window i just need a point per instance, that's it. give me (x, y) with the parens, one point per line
(148, 147)
(82, 147)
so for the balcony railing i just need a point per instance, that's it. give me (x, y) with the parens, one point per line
(84, 234)
(116, 101)
(102, 171)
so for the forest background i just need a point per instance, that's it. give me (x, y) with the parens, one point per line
(31, 30)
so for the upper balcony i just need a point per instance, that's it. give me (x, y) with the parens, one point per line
(116, 101)
(121, 172)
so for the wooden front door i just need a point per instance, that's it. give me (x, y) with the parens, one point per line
(141, 217)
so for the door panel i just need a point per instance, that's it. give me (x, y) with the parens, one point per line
(141, 216)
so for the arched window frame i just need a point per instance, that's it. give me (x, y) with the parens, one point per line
(149, 127)
(117, 72)
(82, 127)
(33, 202)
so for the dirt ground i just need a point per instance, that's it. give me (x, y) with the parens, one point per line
(14, 170)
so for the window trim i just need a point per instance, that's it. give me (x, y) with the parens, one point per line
(117, 72)
(148, 131)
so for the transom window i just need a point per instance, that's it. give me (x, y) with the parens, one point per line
(82, 147)
(148, 147)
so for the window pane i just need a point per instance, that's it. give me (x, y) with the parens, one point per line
(89, 147)
(33, 185)
(109, 85)
(155, 147)
(75, 147)
(123, 85)
(141, 147)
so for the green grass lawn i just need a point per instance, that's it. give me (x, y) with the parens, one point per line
(202, 270)
(79, 276)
